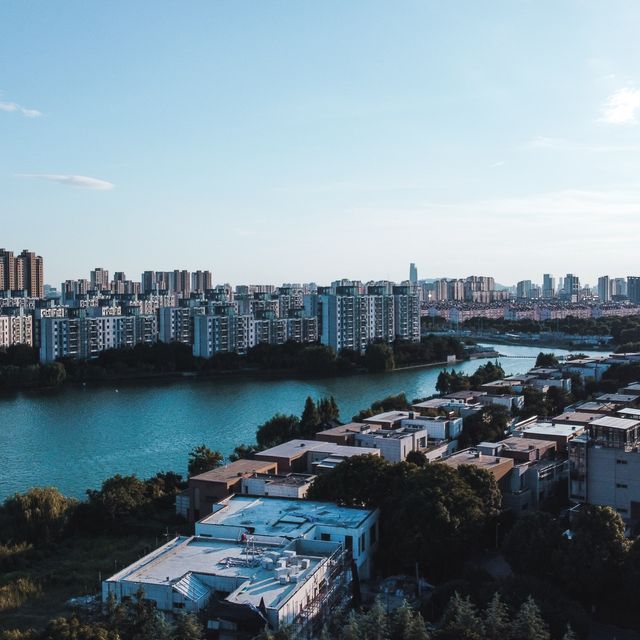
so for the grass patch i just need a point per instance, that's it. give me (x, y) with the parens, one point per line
(39, 592)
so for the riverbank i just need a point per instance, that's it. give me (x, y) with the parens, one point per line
(79, 435)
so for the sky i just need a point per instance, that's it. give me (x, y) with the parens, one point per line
(294, 141)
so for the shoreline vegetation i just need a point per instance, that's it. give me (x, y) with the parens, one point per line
(21, 371)
(566, 333)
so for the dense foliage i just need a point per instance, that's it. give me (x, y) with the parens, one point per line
(20, 368)
(596, 564)
(452, 381)
(623, 329)
(433, 515)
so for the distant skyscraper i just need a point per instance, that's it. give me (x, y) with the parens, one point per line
(413, 274)
(548, 286)
(523, 289)
(633, 289)
(201, 281)
(7, 270)
(30, 274)
(571, 287)
(618, 287)
(604, 289)
(99, 279)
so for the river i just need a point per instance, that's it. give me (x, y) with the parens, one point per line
(75, 438)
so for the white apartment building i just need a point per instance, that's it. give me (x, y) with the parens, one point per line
(16, 328)
(85, 337)
(175, 324)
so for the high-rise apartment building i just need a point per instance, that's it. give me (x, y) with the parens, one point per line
(548, 286)
(633, 289)
(201, 281)
(7, 270)
(523, 289)
(571, 292)
(413, 274)
(99, 279)
(29, 274)
(604, 289)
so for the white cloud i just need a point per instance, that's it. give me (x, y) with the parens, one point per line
(496, 164)
(561, 144)
(84, 182)
(621, 107)
(14, 107)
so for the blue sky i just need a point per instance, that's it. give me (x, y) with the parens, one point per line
(295, 141)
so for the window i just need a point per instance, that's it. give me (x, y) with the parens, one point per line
(363, 545)
(619, 485)
(372, 535)
(621, 462)
(348, 542)
(326, 537)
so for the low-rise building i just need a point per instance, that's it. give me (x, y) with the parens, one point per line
(498, 466)
(209, 487)
(311, 456)
(561, 434)
(394, 444)
(506, 400)
(241, 585)
(285, 519)
(283, 485)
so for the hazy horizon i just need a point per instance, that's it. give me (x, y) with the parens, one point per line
(279, 142)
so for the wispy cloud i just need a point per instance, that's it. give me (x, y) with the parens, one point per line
(561, 144)
(621, 107)
(14, 107)
(496, 164)
(83, 182)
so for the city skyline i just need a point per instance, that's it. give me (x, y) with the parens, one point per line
(444, 131)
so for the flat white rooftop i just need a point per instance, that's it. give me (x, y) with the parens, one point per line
(178, 562)
(548, 429)
(297, 448)
(282, 517)
(611, 422)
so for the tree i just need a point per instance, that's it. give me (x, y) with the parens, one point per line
(569, 634)
(317, 360)
(41, 514)
(373, 625)
(378, 356)
(416, 457)
(496, 619)
(534, 403)
(202, 459)
(187, 628)
(401, 622)
(557, 399)
(118, 497)
(74, 629)
(243, 452)
(52, 374)
(540, 535)
(547, 361)
(328, 411)
(528, 623)
(595, 555)
(484, 485)
(461, 616)
(417, 629)
(277, 430)
(310, 419)
(443, 383)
